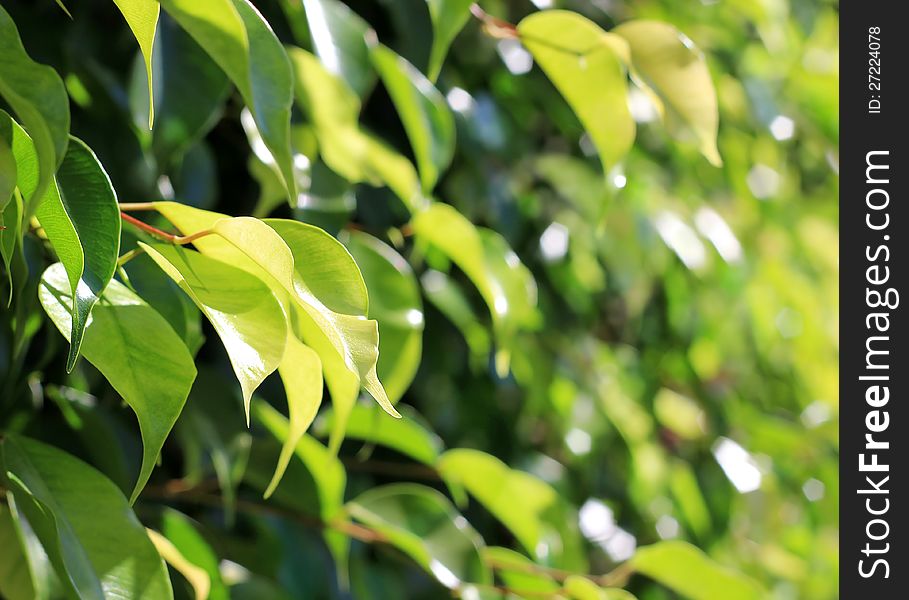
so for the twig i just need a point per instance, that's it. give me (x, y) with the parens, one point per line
(136, 206)
(168, 237)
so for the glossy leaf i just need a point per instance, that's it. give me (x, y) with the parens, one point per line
(82, 221)
(180, 531)
(301, 373)
(407, 435)
(423, 111)
(36, 93)
(24, 568)
(505, 284)
(585, 65)
(515, 498)
(422, 523)
(518, 572)
(240, 307)
(668, 62)
(582, 588)
(84, 523)
(448, 17)
(396, 305)
(281, 251)
(339, 40)
(138, 353)
(196, 576)
(142, 18)
(351, 152)
(688, 571)
(237, 37)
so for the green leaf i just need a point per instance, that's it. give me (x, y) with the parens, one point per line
(10, 237)
(287, 254)
(396, 305)
(688, 571)
(339, 40)
(448, 18)
(668, 62)
(425, 114)
(515, 498)
(142, 18)
(585, 65)
(356, 155)
(423, 524)
(84, 523)
(505, 284)
(82, 221)
(197, 577)
(301, 373)
(237, 38)
(518, 572)
(36, 93)
(24, 570)
(240, 306)
(407, 435)
(581, 588)
(181, 532)
(7, 173)
(136, 351)
(190, 90)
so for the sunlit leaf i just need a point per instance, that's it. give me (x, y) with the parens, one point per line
(138, 353)
(503, 282)
(669, 62)
(519, 572)
(237, 37)
(423, 111)
(396, 305)
(688, 571)
(197, 577)
(422, 523)
(179, 531)
(37, 95)
(582, 588)
(96, 543)
(407, 435)
(515, 498)
(301, 373)
(584, 65)
(448, 17)
(339, 40)
(284, 252)
(82, 221)
(142, 18)
(240, 306)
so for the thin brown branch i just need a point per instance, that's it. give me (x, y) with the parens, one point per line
(158, 233)
(493, 26)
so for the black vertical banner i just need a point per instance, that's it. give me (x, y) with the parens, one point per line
(874, 373)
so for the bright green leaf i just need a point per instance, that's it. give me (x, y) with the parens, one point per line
(407, 435)
(339, 40)
(239, 306)
(301, 373)
(37, 95)
(422, 523)
(448, 17)
(396, 305)
(82, 221)
(669, 63)
(142, 18)
(688, 571)
(237, 38)
(136, 350)
(515, 498)
(583, 63)
(181, 532)
(197, 577)
(518, 572)
(423, 111)
(582, 588)
(84, 523)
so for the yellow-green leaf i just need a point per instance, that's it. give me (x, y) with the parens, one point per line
(197, 577)
(448, 17)
(142, 18)
(670, 64)
(136, 350)
(240, 307)
(584, 65)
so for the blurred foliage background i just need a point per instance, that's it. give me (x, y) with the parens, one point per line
(678, 378)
